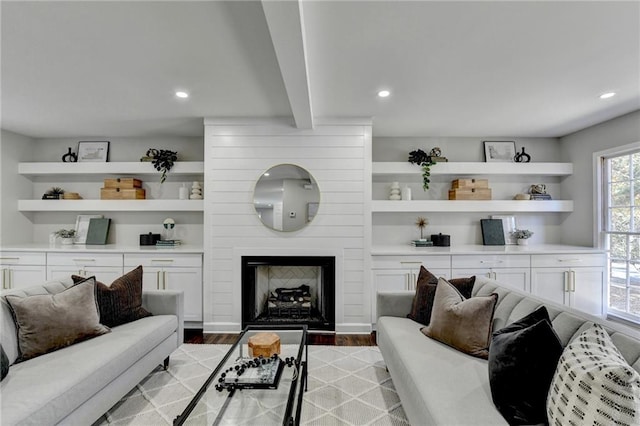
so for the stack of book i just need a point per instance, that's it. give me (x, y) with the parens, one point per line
(168, 243)
(422, 243)
(540, 197)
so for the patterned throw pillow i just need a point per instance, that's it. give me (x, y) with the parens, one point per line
(464, 324)
(594, 384)
(426, 290)
(120, 302)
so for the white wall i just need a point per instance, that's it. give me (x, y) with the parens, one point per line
(339, 158)
(579, 148)
(464, 228)
(15, 227)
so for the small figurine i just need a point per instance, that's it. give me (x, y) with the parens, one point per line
(522, 157)
(70, 157)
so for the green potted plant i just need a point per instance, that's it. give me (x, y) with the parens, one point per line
(162, 160)
(521, 235)
(67, 235)
(425, 162)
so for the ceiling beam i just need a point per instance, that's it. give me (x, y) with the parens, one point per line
(286, 26)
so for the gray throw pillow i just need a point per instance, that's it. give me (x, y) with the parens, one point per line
(5, 364)
(49, 322)
(464, 324)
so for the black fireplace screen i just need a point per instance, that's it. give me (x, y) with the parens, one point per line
(289, 290)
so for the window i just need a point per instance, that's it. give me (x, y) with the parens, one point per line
(621, 231)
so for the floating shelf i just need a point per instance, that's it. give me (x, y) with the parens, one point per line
(495, 206)
(109, 168)
(110, 205)
(475, 168)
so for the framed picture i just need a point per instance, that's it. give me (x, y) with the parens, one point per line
(82, 226)
(96, 151)
(508, 226)
(499, 151)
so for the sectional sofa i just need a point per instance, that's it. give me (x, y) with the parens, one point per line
(79, 383)
(439, 385)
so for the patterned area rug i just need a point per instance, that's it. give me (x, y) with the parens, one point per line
(348, 385)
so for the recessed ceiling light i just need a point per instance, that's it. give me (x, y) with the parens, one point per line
(266, 174)
(383, 93)
(181, 94)
(607, 95)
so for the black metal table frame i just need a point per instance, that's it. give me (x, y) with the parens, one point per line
(300, 365)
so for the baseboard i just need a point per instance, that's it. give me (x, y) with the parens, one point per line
(353, 328)
(234, 327)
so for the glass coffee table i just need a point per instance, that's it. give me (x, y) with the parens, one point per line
(250, 390)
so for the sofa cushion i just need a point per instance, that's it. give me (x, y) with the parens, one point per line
(426, 290)
(120, 302)
(65, 379)
(49, 322)
(593, 383)
(436, 384)
(522, 360)
(464, 324)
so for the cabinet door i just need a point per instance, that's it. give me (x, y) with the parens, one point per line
(55, 272)
(587, 292)
(550, 284)
(104, 274)
(20, 276)
(152, 278)
(516, 278)
(189, 280)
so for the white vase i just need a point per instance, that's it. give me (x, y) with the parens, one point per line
(67, 240)
(523, 242)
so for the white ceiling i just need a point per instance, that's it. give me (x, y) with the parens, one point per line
(503, 68)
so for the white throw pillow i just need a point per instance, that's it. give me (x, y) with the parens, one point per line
(593, 384)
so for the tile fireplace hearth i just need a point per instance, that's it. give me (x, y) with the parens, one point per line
(279, 290)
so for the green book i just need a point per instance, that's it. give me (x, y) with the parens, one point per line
(98, 231)
(492, 232)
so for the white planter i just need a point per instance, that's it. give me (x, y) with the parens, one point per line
(523, 242)
(67, 240)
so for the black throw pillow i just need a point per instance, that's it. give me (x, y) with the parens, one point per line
(523, 357)
(5, 363)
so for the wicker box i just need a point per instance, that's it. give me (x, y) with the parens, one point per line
(470, 194)
(265, 344)
(123, 183)
(122, 194)
(470, 183)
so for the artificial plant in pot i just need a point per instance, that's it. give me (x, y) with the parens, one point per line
(425, 162)
(521, 236)
(162, 160)
(67, 235)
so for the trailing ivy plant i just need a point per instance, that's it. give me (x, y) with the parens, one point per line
(162, 160)
(421, 158)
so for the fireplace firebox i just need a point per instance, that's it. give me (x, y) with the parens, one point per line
(279, 290)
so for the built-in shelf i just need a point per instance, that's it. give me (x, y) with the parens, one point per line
(109, 168)
(463, 206)
(475, 168)
(110, 205)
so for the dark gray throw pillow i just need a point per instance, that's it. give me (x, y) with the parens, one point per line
(523, 357)
(5, 363)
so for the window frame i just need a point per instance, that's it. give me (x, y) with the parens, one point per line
(600, 184)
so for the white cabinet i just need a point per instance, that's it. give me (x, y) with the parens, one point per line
(106, 267)
(577, 281)
(22, 269)
(172, 271)
(512, 271)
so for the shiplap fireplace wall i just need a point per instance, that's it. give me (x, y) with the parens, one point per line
(338, 155)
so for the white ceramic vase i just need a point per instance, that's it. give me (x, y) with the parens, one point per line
(67, 240)
(523, 242)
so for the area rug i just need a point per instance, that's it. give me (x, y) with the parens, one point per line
(348, 385)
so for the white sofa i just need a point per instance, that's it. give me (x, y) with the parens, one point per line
(438, 385)
(78, 384)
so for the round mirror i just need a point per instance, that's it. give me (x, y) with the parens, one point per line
(286, 197)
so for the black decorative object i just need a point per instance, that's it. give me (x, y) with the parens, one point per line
(441, 240)
(149, 239)
(492, 232)
(420, 157)
(70, 157)
(522, 157)
(162, 160)
(253, 373)
(54, 193)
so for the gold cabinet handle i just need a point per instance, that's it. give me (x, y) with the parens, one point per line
(83, 260)
(164, 280)
(162, 260)
(158, 280)
(573, 281)
(4, 278)
(566, 281)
